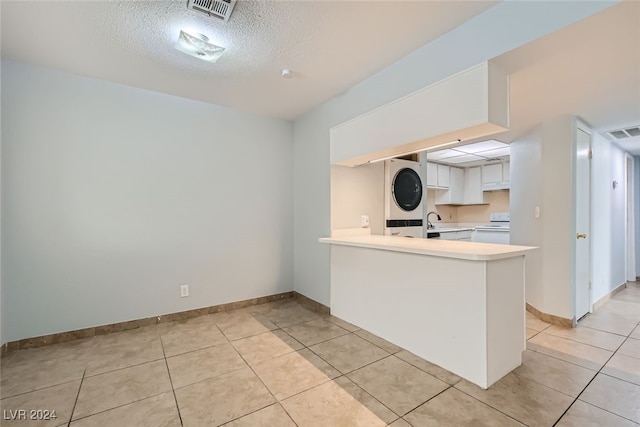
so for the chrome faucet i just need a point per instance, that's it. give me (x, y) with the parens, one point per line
(429, 225)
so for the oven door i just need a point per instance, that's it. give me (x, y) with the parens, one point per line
(492, 235)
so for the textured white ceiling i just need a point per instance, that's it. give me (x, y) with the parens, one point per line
(328, 45)
(590, 69)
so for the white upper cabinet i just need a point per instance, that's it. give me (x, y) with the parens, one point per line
(432, 174)
(471, 104)
(506, 172)
(454, 195)
(491, 174)
(496, 176)
(437, 175)
(443, 176)
(473, 194)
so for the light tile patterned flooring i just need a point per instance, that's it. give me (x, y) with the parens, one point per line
(279, 364)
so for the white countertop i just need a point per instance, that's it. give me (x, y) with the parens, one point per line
(441, 248)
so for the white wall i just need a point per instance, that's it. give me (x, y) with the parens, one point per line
(637, 210)
(608, 225)
(499, 29)
(542, 176)
(114, 196)
(525, 195)
(355, 192)
(544, 154)
(558, 233)
(2, 321)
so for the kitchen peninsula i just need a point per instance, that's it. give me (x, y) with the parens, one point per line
(459, 305)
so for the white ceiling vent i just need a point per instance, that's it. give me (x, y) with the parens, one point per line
(617, 135)
(220, 9)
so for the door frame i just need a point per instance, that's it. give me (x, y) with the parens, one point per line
(629, 212)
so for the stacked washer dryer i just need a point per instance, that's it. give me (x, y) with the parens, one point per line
(403, 198)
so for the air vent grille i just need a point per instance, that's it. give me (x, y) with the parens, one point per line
(634, 131)
(220, 9)
(629, 132)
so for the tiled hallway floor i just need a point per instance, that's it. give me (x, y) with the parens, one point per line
(280, 365)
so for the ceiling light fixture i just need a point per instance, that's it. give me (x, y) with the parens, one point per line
(198, 46)
(406, 153)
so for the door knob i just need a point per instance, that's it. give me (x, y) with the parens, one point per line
(581, 236)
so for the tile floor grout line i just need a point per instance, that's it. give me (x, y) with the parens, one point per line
(596, 406)
(426, 401)
(374, 344)
(585, 387)
(288, 414)
(563, 360)
(197, 349)
(619, 379)
(320, 342)
(613, 353)
(580, 342)
(346, 375)
(208, 378)
(490, 406)
(173, 390)
(251, 336)
(125, 367)
(353, 370)
(75, 403)
(313, 345)
(41, 389)
(598, 373)
(537, 332)
(426, 372)
(585, 343)
(277, 401)
(549, 387)
(120, 406)
(350, 380)
(300, 392)
(609, 332)
(372, 396)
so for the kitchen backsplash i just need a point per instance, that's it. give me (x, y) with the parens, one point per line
(446, 212)
(498, 201)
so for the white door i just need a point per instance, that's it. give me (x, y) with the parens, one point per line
(631, 226)
(583, 229)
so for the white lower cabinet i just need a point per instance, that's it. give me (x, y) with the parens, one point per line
(456, 235)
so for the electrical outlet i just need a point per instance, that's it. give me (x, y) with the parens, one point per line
(184, 291)
(537, 212)
(364, 221)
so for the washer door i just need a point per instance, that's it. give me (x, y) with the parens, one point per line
(407, 189)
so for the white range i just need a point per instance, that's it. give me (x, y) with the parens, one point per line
(497, 231)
